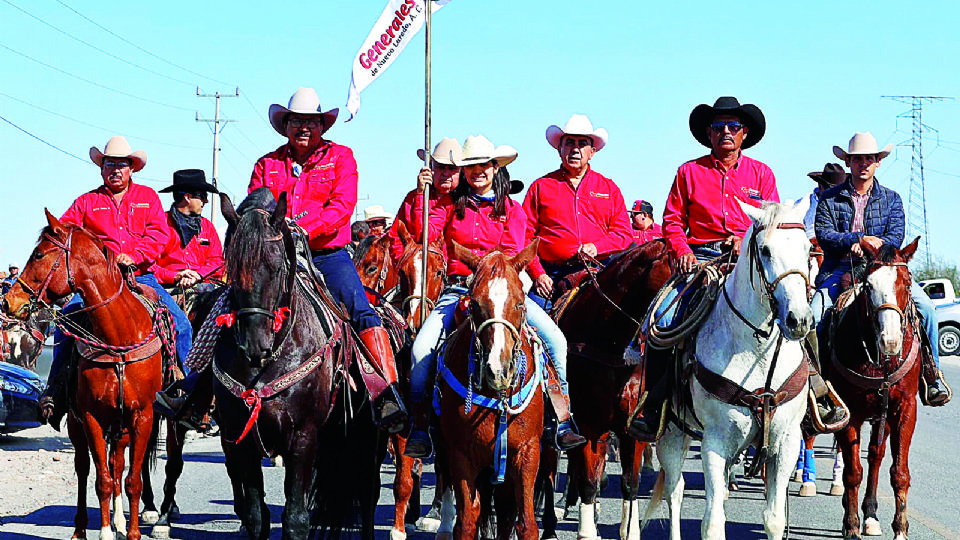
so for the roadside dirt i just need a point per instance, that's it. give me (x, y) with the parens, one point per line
(36, 470)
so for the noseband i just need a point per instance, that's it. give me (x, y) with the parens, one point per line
(431, 303)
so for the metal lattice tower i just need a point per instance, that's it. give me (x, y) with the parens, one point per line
(916, 208)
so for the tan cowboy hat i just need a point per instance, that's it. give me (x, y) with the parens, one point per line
(304, 101)
(376, 211)
(447, 152)
(478, 149)
(578, 124)
(118, 147)
(862, 144)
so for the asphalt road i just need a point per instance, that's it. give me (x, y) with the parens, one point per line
(934, 502)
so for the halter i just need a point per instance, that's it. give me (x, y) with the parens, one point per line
(875, 321)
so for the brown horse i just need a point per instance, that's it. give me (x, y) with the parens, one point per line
(375, 265)
(874, 366)
(600, 321)
(119, 366)
(491, 403)
(410, 277)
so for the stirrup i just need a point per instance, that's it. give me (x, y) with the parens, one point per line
(816, 422)
(389, 412)
(925, 389)
(419, 444)
(644, 436)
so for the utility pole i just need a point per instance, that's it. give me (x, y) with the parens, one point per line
(217, 128)
(917, 224)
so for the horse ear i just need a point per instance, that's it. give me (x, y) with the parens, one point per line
(870, 251)
(280, 212)
(466, 256)
(908, 252)
(752, 211)
(228, 211)
(403, 233)
(522, 259)
(54, 223)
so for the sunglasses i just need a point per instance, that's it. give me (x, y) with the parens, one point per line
(116, 163)
(733, 126)
(312, 123)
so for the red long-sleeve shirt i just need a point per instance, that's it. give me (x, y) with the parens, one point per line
(322, 199)
(701, 207)
(136, 226)
(411, 215)
(642, 237)
(564, 218)
(203, 253)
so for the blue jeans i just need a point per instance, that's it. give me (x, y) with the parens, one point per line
(440, 322)
(668, 312)
(345, 287)
(63, 344)
(556, 273)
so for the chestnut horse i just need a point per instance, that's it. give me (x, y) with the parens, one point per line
(599, 322)
(119, 371)
(489, 384)
(874, 367)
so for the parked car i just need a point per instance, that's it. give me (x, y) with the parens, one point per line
(940, 291)
(19, 398)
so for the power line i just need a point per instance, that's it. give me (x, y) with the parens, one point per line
(88, 81)
(256, 112)
(55, 147)
(255, 147)
(128, 42)
(81, 122)
(244, 156)
(94, 47)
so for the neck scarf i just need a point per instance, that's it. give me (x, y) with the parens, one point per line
(186, 226)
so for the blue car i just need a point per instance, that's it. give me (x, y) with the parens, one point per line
(19, 398)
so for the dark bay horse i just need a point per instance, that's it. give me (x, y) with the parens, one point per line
(873, 364)
(600, 321)
(286, 384)
(377, 269)
(119, 371)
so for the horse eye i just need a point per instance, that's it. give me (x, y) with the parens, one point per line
(371, 270)
(765, 251)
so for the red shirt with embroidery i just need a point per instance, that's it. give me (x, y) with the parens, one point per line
(411, 215)
(565, 218)
(322, 198)
(652, 233)
(702, 204)
(478, 230)
(203, 253)
(136, 226)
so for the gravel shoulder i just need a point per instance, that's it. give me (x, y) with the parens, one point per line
(36, 469)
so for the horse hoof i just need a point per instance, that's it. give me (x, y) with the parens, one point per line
(732, 486)
(798, 476)
(552, 535)
(149, 517)
(836, 490)
(276, 461)
(160, 532)
(398, 535)
(428, 524)
(808, 489)
(871, 527)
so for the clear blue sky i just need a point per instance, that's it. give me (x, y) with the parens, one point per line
(505, 69)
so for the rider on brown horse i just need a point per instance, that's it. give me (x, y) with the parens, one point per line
(129, 220)
(861, 212)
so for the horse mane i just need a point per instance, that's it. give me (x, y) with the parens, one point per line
(363, 246)
(248, 241)
(886, 254)
(490, 265)
(773, 214)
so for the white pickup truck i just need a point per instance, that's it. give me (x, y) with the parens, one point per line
(940, 290)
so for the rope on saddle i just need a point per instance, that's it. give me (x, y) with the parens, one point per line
(201, 353)
(660, 337)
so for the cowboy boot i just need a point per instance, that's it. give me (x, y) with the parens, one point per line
(937, 392)
(649, 418)
(54, 397)
(419, 444)
(389, 412)
(566, 437)
(828, 410)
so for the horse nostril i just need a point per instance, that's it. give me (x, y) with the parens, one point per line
(792, 320)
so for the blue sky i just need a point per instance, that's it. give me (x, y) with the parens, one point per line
(504, 69)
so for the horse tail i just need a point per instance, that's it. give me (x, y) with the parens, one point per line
(150, 457)
(656, 497)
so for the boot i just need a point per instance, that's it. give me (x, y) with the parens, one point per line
(419, 444)
(54, 398)
(935, 392)
(826, 410)
(566, 437)
(650, 417)
(389, 412)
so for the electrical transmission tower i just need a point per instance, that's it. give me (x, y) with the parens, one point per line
(916, 210)
(217, 128)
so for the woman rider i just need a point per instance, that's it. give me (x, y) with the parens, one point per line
(479, 215)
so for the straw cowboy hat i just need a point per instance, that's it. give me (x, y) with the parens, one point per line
(375, 212)
(478, 149)
(190, 181)
(578, 124)
(750, 116)
(831, 175)
(862, 144)
(304, 101)
(447, 152)
(118, 147)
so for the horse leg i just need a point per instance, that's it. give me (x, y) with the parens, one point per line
(716, 465)
(671, 451)
(900, 440)
(468, 501)
(871, 525)
(524, 484)
(104, 481)
(592, 460)
(81, 464)
(631, 460)
(779, 470)
(141, 430)
(176, 435)
(808, 472)
(402, 487)
(505, 504)
(243, 466)
(849, 441)
(117, 465)
(546, 483)
(149, 514)
(836, 485)
(298, 475)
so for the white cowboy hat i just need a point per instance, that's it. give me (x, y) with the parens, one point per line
(376, 211)
(478, 149)
(303, 101)
(862, 144)
(447, 151)
(118, 147)
(578, 124)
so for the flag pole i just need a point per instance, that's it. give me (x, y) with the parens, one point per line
(427, 162)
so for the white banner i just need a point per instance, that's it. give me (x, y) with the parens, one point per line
(399, 22)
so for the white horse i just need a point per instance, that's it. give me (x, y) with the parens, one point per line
(757, 322)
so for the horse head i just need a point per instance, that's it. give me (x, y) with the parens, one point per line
(261, 266)
(887, 285)
(777, 250)
(497, 312)
(410, 276)
(66, 259)
(374, 264)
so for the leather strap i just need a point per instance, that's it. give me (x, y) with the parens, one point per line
(98, 355)
(560, 405)
(874, 383)
(732, 393)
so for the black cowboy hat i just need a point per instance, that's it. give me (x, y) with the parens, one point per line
(190, 181)
(749, 114)
(516, 186)
(831, 175)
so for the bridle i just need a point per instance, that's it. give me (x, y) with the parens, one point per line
(442, 274)
(516, 353)
(877, 310)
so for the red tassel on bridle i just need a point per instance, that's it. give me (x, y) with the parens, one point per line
(227, 319)
(252, 399)
(278, 317)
